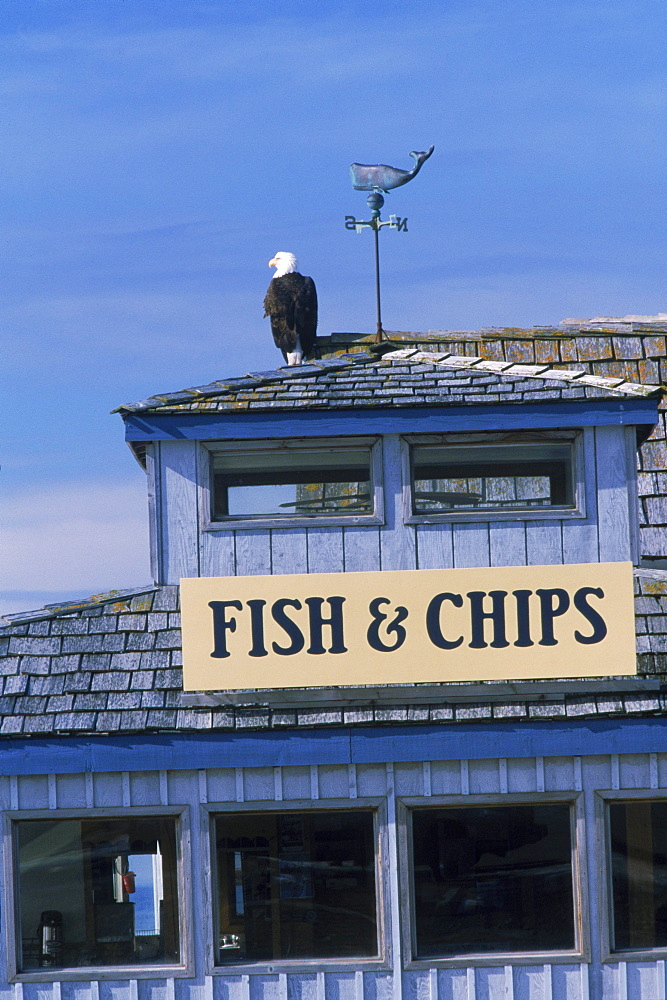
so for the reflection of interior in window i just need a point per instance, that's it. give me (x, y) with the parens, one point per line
(638, 832)
(492, 879)
(503, 476)
(98, 892)
(292, 483)
(296, 885)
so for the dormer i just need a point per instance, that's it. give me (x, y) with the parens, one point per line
(407, 460)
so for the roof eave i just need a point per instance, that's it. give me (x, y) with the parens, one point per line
(327, 421)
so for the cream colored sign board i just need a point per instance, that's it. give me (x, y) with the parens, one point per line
(411, 626)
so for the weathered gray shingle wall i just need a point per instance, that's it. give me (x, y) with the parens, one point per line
(106, 666)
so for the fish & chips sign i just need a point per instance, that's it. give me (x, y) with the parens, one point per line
(411, 626)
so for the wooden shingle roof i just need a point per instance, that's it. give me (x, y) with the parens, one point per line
(112, 664)
(403, 377)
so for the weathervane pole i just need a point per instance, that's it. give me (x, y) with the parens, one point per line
(378, 335)
(375, 201)
(378, 179)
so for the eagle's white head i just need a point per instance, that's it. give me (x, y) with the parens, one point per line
(284, 263)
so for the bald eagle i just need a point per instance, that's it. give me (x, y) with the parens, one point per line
(291, 303)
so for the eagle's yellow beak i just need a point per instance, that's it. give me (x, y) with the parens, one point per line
(272, 262)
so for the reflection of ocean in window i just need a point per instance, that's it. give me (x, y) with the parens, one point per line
(111, 885)
(148, 893)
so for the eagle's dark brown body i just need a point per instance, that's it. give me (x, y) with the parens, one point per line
(291, 303)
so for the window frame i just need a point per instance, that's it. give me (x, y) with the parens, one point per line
(603, 798)
(582, 449)
(275, 446)
(380, 962)
(581, 952)
(12, 916)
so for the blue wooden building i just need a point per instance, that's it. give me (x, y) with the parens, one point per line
(401, 836)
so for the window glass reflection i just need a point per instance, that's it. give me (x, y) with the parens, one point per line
(296, 885)
(98, 892)
(500, 476)
(639, 874)
(288, 484)
(495, 878)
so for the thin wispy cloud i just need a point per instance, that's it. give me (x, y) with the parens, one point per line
(91, 534)
(155, 158)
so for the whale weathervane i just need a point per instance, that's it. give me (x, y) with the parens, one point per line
(379, 178)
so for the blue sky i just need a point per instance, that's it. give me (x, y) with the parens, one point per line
(155, 155)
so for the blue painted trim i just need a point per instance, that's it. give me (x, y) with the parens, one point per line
(180, 751)
(519, 739)
(403, 420)
(151, 751)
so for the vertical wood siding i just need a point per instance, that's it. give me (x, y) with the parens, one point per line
(640, 980)
(435, 546)
(153, 488)
(612, 492)
(179, 513)
(179, 488)
(361, 548)
(397, 539)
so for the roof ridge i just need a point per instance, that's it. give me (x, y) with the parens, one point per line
(538, 371)
(560, 331)
(65, 607)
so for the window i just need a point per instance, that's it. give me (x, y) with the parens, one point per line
(97, 892)
(288, 481)
(638, 868)
(492, 878)
(506, 476)
(296, 885)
